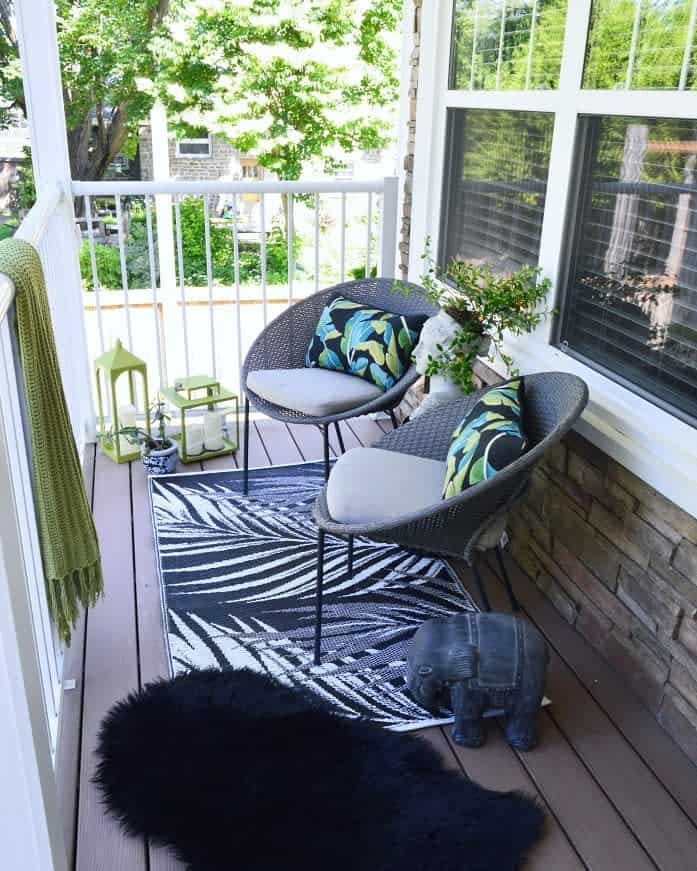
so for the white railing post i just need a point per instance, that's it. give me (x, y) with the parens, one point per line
(43, 92)
(388, 227)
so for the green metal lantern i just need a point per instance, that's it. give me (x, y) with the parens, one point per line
(112, 365)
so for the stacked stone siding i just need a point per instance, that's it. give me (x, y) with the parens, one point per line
(616, 558)
(619, 562)
(411, 139)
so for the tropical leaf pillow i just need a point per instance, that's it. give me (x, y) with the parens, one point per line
(367, 342)
(488, 439)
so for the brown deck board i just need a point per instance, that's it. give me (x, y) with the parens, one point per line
(496, 766)
(658, 823)
(309, 442)
(69, 735)
(111, 668)
(677, 773)
(366, 430)
(595, 736)
(278, 443)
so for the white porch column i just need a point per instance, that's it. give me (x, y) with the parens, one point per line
(30, 823)
(165, 231)
(38, 49)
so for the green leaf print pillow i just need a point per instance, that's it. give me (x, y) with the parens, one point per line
(367, 342)
(488, 439)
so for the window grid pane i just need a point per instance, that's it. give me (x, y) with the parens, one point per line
(642, 45)
(507, 44)
(495, 187)
(631, 301)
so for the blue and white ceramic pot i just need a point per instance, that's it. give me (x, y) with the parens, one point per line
(162, 462)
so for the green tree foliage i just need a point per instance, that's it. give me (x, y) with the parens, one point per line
(288, 80)
(193, 249)
(662, 36)
(106, 47)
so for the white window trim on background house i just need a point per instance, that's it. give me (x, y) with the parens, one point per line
(197, 156)
(649, 441)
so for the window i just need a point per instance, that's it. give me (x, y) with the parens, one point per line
(495, 186)
(195, 148)
(642, 44)
(251, 170)
(631, 300)
(507, 44)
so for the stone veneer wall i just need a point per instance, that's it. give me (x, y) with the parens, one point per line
(619, 562)
(616, 558)
(411, 138)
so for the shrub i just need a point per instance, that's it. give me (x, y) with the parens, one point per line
(108, 266)
(194, 252)
(359, 271)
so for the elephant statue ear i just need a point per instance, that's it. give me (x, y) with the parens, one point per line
(464, 661)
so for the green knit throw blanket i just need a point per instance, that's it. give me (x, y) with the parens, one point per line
(69, 547)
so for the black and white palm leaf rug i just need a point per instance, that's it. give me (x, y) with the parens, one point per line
(238, 581)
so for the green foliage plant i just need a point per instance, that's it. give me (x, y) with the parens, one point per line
(485, 305)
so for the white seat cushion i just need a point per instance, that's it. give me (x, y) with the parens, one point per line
(316, 392)
(370, 485)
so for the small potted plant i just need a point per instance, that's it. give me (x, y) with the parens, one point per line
(477, 307)
(158, 453)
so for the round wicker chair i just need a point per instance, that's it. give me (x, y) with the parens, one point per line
(284, 342)
(474, 520)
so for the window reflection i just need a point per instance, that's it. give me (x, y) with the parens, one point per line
(495, 186)
(642, 44)
(632, 298)
(507, 44)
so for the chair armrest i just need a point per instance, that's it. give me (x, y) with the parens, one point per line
(429, 434)
(283, 343)
(450, 527)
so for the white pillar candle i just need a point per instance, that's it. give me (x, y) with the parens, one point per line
(127, 416)
(213, 426)
(194, 439)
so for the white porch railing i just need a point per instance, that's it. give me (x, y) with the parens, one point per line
(18, 529)
(180, 329)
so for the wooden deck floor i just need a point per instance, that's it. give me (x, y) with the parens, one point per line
(619, 794)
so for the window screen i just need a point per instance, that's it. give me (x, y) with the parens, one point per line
(495, 185)
(631, 301)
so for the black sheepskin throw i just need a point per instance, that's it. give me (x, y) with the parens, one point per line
(235, 771)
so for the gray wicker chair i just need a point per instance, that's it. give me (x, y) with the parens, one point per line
(474, 520)
(284, 343)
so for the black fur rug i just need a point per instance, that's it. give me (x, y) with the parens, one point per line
(234, 771)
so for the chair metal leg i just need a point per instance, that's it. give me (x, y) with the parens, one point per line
(480, 584)
(339, 436)
(318, 603)
(506, 579)
(325, 436)
(350, 556)
(245, 488)
(393, 418)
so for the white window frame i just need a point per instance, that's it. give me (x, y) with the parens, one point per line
(208, 140)
(649, 441)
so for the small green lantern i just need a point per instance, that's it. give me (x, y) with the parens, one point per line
(113, 364)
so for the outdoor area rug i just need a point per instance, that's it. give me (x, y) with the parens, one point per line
(238, 591)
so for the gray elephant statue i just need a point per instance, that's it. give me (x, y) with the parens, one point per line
(476, 662)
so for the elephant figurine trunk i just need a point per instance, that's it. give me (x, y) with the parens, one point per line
(477, 662)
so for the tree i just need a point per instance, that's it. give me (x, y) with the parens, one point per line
(106, 47)
(288, 80)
